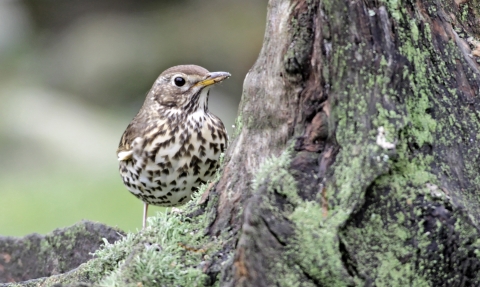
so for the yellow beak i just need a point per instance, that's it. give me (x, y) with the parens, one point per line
(213, 78)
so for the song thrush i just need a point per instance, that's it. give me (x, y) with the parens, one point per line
(173, 144)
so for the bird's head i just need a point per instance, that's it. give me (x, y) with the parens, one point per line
(184, 88)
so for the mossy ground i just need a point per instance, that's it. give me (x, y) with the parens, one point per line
(171, 251)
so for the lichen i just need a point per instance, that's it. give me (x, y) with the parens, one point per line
(322, 262)
(171, 251)
(59, 252)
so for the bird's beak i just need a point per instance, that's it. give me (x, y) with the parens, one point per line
(213, 78)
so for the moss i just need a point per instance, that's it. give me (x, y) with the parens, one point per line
(171, 251)
(322, 262)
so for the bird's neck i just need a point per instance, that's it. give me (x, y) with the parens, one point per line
(176, 116)
(196, 108)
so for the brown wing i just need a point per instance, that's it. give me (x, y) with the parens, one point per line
(135, 129)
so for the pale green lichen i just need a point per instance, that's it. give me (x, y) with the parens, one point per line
(275, 170)
(464, 12)
(316, 247)
(322, 262)
(167, 252)
(170, 251)
(361, 162)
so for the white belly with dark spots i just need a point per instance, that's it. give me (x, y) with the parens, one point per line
(167, 172)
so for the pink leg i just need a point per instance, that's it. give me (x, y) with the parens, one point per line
(145, 212)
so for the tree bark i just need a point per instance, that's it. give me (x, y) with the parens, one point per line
(357, 155)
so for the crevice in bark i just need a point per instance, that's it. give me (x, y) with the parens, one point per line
(272, 232)
(347, 260)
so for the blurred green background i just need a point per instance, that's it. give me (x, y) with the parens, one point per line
(72, 76)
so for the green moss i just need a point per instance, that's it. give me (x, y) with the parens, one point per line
(167, 252)
(275, 170)
(170, 251)
(322, 262)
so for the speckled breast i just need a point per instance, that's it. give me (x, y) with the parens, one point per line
(166, 170)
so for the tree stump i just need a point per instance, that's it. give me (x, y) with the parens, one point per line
(357, 156)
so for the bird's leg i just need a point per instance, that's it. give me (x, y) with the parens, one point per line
(145, 211)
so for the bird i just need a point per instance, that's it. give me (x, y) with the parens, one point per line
(173, 145)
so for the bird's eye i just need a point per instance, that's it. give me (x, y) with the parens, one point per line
(179, 81)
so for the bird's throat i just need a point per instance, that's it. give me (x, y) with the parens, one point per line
(198, 102)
